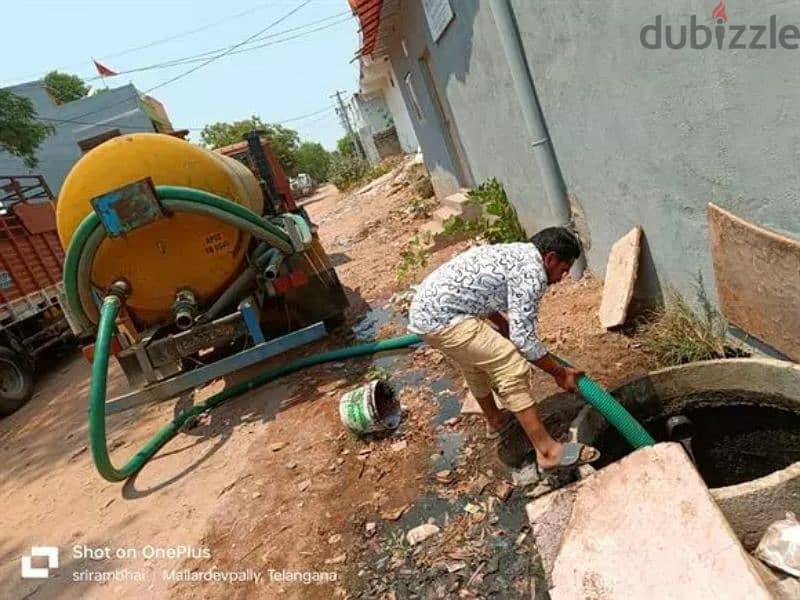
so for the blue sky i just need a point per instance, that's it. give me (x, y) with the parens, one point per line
(281, 81)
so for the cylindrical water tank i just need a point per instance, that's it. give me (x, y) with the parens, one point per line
(180, 251)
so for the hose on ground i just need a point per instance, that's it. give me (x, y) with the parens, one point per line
(97, 392)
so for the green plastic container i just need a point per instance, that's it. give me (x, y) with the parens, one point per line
(370, 408)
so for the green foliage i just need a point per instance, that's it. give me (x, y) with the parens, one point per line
(65, 88)
(313, 159)
(678, 333)
(412, 258)
(346, 170)
(499, 222)
(21, 133)
(344, 146)
(284, 141)
(423, 187)
(376, 373)
(378, 170)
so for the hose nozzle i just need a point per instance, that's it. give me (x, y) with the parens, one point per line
(185, 309)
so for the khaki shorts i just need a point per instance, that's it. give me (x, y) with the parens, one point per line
(488, 361)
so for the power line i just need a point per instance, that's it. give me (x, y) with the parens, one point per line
(200, 66)
(166, 39)
(186, 33)
(201, 56)
(231, 49)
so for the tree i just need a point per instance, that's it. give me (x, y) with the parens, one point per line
(344, 146)
(65, 88)
(313, 159)
(283, 141)
(21, 133)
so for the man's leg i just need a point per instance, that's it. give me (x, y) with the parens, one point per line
(510, 374)
(548, 451)
(481, 389)
(449, 342)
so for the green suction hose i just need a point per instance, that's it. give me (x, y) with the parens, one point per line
(97, 392)
(616, 414)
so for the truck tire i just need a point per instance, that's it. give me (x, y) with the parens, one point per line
(16, 381)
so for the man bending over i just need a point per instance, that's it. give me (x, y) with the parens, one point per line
(451, 308)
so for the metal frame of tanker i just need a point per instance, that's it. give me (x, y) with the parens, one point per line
(156, 367)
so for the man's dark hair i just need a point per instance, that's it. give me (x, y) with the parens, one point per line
(559, 240)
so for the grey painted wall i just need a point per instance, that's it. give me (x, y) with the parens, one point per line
(470, 73)
(115, 109)
(651, 136)
(642, 136)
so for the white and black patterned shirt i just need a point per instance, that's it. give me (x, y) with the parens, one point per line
(481, 281)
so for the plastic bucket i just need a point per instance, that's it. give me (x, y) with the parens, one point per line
(370, 408)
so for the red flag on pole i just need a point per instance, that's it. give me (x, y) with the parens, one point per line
(103, 70)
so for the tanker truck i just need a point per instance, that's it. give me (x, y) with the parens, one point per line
(186, 264)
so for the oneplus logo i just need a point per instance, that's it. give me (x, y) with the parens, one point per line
(31, 572)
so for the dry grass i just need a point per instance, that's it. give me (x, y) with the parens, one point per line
(678, 333)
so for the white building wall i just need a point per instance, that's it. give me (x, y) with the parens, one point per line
(402, 120)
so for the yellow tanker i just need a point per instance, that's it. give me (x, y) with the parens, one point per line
(184, 251)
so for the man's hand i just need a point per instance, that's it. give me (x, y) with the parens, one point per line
(567, 378)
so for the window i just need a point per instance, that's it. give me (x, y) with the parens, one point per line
(413, 96)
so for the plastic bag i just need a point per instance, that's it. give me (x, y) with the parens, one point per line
(780, 546)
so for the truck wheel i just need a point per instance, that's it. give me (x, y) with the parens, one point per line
(16, 381)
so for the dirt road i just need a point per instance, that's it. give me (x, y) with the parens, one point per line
(270, 484)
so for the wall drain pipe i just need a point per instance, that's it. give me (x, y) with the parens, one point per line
(553, 181)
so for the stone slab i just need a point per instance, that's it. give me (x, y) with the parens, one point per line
(644, 527)
(621, 273)
(758, 279)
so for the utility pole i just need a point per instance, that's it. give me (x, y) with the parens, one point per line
(341, 110)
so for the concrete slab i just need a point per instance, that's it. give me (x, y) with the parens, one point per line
(463, 205)
(645, 527)
(621, 273)
(758, 279)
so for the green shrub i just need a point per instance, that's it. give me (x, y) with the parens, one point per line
(678, 333)
(412, 258)
(346, 171)
(498, 223)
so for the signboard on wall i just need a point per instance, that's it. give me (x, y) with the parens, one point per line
(438, 13)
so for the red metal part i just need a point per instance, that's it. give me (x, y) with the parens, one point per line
(369, 16)
(239, 151)
(31, 257)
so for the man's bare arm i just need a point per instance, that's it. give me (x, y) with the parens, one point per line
(566, 377)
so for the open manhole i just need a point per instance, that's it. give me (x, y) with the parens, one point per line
(733, 438)
(739, 419)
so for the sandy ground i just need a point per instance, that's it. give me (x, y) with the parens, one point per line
(271, 481)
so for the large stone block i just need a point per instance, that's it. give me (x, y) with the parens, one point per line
(644, 527)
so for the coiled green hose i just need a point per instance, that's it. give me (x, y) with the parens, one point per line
(87, 238)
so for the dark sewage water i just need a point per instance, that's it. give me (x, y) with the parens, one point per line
(731, 443)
